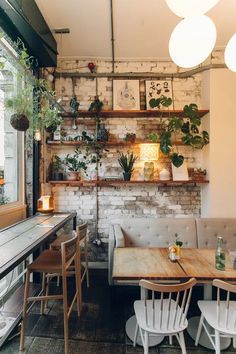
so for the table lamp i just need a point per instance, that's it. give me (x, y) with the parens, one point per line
(45, 204)
(149, 153)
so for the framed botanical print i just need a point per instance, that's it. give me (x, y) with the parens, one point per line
(126, 95)
(156, 89)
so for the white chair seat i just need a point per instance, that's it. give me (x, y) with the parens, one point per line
(209, 311)
(160, 325)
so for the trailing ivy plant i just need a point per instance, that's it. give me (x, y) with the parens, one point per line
(186, 128)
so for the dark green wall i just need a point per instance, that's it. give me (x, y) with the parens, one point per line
(22, 18)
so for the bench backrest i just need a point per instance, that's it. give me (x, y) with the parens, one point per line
(150, 232)
(208, 229)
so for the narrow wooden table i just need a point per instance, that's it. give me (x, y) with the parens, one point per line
(134, 263)
(17, 242)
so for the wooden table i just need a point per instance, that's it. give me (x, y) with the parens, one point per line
(134, 263)
(20, 240)
(17, 242)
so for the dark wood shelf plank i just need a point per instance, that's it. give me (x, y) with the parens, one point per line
(131, 114)
(58, 143)
(101, 183)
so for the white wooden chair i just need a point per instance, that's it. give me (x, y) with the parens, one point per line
(221, 315)
(164, 316)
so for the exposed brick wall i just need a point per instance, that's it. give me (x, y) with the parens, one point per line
(146, 201)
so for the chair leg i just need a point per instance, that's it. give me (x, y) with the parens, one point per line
(23, 323)
(182, 342)
(79, 276)
(65, 306)
(78, 287)
(86, 261)
(146, 346)
(42, 308)
(170, 340)
(234, 342)
(217, 342)
(135, 335)
(199, 330)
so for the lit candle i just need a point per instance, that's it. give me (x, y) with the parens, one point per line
(45, 200)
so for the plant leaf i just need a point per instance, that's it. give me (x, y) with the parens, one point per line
(177, 159)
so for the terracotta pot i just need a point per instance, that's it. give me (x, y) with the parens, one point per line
(19, 122)
(71, 176)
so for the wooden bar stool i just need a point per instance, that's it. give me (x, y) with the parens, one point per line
(82, 232)
(55, 262)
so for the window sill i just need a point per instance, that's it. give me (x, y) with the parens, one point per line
(12, 212)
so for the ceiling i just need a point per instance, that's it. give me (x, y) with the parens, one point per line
(141, 27)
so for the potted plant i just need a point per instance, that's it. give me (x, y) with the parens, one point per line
(22, 106)
(130, 137)
(32, 94)
(187, 129)
(56, 168)
(50, 117)
(126, 162)
(74, 165)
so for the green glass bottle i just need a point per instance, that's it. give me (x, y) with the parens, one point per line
(220, 254)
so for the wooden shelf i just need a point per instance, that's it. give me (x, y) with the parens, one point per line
(102, 143)
(131, 114)
(101, 183)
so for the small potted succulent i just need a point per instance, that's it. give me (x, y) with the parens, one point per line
(56, 168)
(74, 165)
(127, 162)
(130, 137)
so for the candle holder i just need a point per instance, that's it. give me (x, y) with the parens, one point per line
(45, 204)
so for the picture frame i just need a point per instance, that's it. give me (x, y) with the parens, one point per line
(156, 89)
(180, 173)
(126, 95)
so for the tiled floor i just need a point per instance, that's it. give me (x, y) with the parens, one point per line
(99, 330)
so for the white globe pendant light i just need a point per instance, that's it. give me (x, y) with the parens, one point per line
(187, 8)
(230, 53)
(192, 40)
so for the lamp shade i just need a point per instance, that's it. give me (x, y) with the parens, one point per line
(187, 8)
(230, 53)
(149, 152)
(192, 40)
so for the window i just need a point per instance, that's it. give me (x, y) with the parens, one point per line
(11, 141)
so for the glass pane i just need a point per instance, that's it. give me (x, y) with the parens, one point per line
(8, 138)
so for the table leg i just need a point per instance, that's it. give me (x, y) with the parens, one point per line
(193, 323)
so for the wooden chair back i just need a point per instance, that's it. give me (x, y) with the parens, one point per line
(224, 312)
(82, 231)
(69, 250)
(169, 311)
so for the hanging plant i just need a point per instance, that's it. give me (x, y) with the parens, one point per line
(187, 129)
(34, 106)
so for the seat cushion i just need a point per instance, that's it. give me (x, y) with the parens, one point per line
(49, 261)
